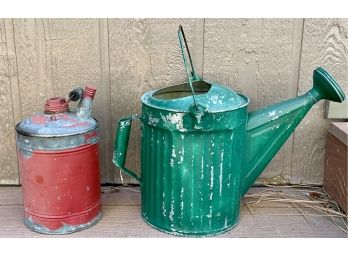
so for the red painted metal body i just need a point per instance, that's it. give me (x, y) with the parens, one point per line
(58, 156)
(61, 187)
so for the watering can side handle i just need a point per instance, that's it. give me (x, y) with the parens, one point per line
(121, 145)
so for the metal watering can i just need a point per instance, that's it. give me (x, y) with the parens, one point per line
(201, 149)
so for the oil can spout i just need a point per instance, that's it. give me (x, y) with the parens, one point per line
(269, 127)
(84, 107)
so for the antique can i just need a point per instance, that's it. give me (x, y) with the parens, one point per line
(201, 149)
(59, 165)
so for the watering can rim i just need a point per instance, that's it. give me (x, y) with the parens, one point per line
(157, 103)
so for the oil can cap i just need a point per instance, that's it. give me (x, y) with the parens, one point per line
(211, 97)
(56, 105)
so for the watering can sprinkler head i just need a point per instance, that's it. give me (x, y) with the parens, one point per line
(325, 87)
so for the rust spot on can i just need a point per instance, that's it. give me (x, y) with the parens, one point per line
(39, 179)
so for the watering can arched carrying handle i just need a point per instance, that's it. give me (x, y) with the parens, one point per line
(190, 75)
(121, 145)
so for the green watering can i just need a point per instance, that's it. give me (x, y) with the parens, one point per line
(201, 149)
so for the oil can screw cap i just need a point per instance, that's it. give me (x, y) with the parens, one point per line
(90, 91)
(56, 105)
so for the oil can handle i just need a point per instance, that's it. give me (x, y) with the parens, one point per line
(192, 76)
(121, 145)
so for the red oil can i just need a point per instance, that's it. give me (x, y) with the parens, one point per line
(58, 157)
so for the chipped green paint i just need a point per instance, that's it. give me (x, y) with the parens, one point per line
(198, 158)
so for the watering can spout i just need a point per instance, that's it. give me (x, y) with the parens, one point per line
(269, 127)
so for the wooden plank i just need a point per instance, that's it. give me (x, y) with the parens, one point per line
(33, 75)
(125, 221)
(105, 98)
(10, 195)
(144, 55)
(283, 223)
(259, 57)
(336, 171)
(125, 196)
(8, 105)
(335, 110)
(340, 131)
(12, 59)
(198, 46)
(325, 44)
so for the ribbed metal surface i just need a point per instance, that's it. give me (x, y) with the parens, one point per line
(191, 181)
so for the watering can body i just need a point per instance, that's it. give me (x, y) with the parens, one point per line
(191, 169)
(201, 150)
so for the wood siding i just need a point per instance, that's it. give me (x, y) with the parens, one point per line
(268, 59)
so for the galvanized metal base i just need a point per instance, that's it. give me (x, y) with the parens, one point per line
(65, 229)
(198, 234)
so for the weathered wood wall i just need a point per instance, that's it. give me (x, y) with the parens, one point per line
(268, 59)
